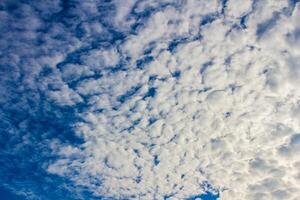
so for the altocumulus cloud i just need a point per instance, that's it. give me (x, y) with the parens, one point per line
(178, 99)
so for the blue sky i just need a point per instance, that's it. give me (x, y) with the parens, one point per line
(135, 99)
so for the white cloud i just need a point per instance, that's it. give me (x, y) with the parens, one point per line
(221, 105)
(238, 8)
(235, 125)
(99, 59)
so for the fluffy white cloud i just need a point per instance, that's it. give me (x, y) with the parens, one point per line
(194, 92)
(222, 108)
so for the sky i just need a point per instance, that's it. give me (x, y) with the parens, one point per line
(149, 99)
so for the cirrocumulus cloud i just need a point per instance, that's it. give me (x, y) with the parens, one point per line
(171, 99)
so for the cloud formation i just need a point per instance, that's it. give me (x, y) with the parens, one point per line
(154, 99)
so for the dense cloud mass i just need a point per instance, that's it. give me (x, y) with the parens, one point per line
(148, 99)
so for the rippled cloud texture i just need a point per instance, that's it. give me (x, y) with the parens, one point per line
(148, 99)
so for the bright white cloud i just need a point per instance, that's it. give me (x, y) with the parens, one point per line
(233, 123)
(219, 105)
